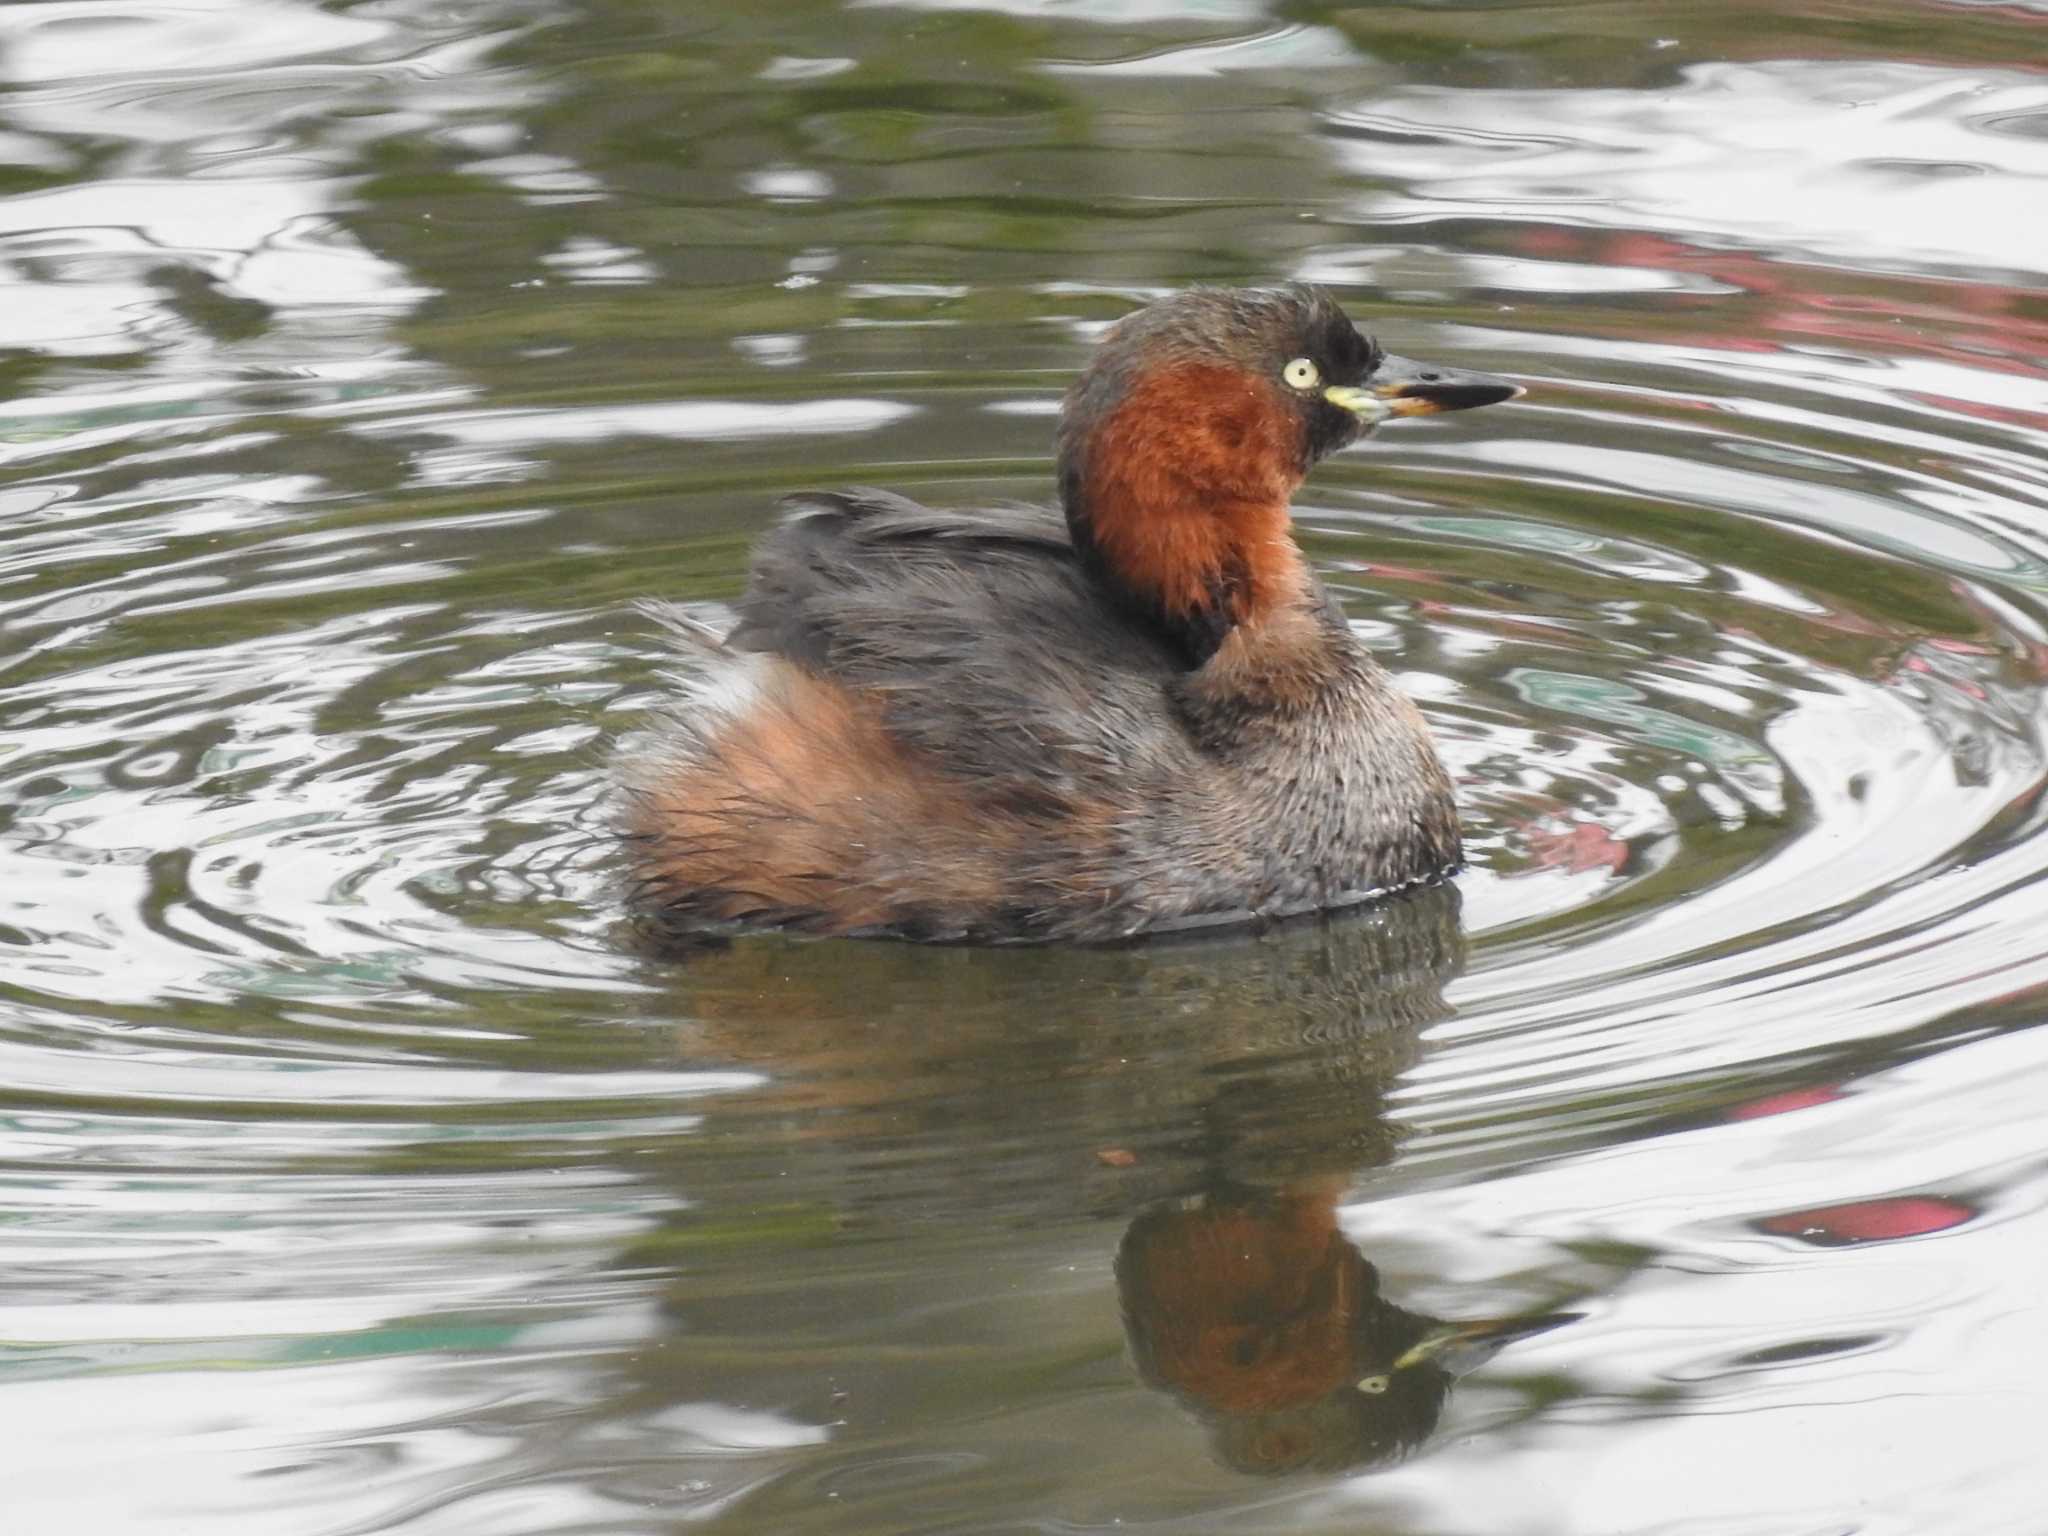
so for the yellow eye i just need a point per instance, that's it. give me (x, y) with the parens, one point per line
(1373, 1386)
(1301, 374)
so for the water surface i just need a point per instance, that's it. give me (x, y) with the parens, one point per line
(366, 361)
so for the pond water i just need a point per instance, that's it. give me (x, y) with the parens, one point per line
(1680, 1170)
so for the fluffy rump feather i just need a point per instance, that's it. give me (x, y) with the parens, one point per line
(923, 723)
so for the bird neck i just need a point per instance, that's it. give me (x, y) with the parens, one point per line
(1177, 500)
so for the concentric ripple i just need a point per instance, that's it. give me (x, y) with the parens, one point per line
(360, 1172)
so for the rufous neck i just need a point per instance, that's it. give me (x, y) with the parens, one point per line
(1178, 503)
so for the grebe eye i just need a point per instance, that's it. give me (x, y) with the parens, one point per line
(1374, 1386)
(1301, 374)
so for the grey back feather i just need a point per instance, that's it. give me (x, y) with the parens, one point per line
(977, 628)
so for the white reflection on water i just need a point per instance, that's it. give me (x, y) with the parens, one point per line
(1925, 1419)
(1881, 167)
(202, 177)
(1283, 48)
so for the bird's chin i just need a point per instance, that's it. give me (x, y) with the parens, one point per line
(1333, 432)
(1362, 431)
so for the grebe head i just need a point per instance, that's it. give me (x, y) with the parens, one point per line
(1186, 435)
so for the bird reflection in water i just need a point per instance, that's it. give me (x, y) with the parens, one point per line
(1217, 1097)
(1254, 1310)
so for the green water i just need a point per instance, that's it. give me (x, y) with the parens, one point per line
(365, 362)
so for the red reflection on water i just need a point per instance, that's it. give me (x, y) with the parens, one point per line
(1578, 847)
(1871, 1221)
(1985, 327)
(1785, 1103)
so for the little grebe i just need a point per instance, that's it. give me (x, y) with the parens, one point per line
(1008, 724)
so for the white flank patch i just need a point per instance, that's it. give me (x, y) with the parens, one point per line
(726, 687)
